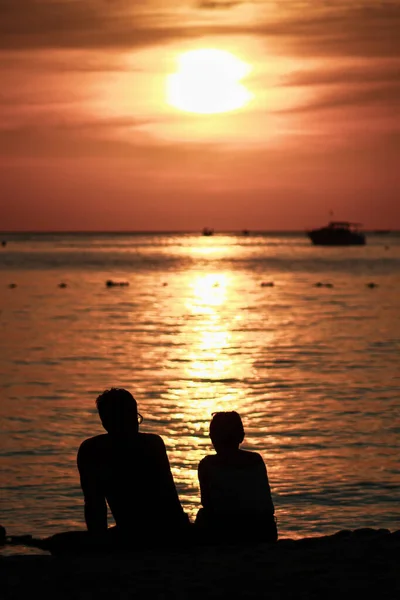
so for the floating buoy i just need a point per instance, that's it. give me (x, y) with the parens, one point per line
(111, 283)
(165, 283)
(371, 285)
(62, 285)
(267, 284)
(12, 285)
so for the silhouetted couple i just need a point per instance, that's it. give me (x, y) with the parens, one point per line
(130, 471)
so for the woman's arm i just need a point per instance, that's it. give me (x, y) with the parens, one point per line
(204, 481)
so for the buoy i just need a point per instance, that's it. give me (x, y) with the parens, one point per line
(267, 284)
(62, 285)
(12, 285)
(111, 283)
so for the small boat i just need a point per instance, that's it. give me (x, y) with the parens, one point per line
(208, 231)
(337, 233)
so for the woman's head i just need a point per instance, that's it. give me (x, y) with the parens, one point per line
(118, 411)
(226, 430)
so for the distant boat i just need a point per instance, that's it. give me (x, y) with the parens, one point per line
(245, 232)
(381, 231)
(337, 233)
(208, 231)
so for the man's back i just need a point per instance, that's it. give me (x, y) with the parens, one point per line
(132, 473)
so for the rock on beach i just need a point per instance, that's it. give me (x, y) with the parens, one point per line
(363, 563)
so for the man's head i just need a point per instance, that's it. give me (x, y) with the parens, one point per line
(226, 430)
(118, 411)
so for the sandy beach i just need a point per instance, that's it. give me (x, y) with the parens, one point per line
(349, 564)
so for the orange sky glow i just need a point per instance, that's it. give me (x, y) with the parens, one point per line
(92, 138)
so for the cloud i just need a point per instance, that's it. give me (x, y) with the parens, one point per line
(77, 60)
(75, 140)
(366, 85)
(81, 24)
(385, 97)
(212, 5)
(112, 138)
(322, 29)
(313, 28)
(367, 72)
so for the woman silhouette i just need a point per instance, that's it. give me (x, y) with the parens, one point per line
(235, 491)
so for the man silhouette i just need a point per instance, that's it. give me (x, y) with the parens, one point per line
(130, 472)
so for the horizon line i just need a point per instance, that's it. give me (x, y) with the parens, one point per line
(170, 231)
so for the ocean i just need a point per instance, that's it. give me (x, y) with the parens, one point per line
(303, 341)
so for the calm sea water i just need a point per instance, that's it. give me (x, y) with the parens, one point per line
(314, 371)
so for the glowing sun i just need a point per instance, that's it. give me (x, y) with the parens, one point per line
(208, 81)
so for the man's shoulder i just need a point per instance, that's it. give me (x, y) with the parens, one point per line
(208, 461)
(152, 440)
(94, 443)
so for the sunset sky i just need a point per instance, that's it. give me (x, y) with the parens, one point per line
(91, 137)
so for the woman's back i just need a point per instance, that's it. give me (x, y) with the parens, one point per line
(236, 483)
(234, 487)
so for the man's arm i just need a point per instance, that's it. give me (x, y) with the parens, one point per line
(168, 488)
(95, 509)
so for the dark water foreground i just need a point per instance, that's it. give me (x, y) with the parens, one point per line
(363, 563)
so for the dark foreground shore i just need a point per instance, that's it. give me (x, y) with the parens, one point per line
(362, 563)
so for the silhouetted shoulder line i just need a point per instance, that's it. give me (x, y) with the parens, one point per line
(251, 456)
(93, 441)
(153, 439)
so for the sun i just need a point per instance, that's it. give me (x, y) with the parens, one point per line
(208, 81)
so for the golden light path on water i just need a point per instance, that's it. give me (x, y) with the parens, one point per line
(213, 362)
(208, 362)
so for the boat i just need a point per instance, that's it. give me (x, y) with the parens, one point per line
(337, 233)
(208, 231)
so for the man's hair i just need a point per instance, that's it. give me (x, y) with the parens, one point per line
(226, 429)
(117, 410)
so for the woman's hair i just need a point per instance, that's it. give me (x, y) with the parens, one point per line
(226, 429)
(117, 410)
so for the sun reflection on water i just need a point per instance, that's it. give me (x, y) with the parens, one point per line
(207, 371)
(209, 290)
